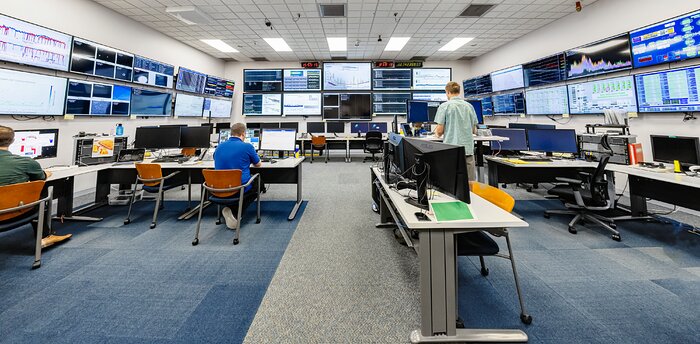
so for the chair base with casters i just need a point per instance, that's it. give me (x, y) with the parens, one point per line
(154, 183)
(372, 158)
(583, 215)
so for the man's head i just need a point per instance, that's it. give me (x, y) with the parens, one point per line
(238, 130)
(7, 136)
(453, 89)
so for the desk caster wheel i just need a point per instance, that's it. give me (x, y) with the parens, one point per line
(195, 242)
(153, 225)
(484, 272)
(218, 222)
(616, 237)
(127, 221)
(460, 322)
(572, 230)
(235, 241)
(36, 265)
(546, 216)
(526, 319)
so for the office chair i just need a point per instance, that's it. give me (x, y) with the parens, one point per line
(481, 244)
(586, 196)
(151, 175)
(22, 204)
(320, 143)
(373, 145)
(224, 188)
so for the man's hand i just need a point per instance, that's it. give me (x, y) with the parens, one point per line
(440, 130)
(48, 174)
(259, 164)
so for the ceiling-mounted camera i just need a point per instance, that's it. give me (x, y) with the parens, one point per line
(379, 39)
(268, 23)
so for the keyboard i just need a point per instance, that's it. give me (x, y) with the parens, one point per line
(171, 159)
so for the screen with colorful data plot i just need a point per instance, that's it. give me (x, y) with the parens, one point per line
(669, 91)
(595, 97)
(605, 56)
(545, 71)
(347, 76)
(101, 61)
(477, 86)
(302, 79)
(508, 103)
(262, 104)
(31, 94)
(26, 43)
(219, 87)
(672, 40)
(96, 99)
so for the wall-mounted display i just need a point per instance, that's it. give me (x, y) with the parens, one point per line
(508, 103)
(187, 105)
(151, 103)
(96, 99)
(302, 104)
(152, 72)
(217, 108)
(302, 79)
(347, 76)
(190, 81)
(391, 79)
(545, 71)
(431, 78)
(24, 93)
(604, 56)
(597, 96)
(34, 45)
(547, 101)
(669, 91)
(264, 104)
(262, 80)
(671, 40)
(219, 87)
(347, 106)
(390, 103)
(95, 59)
(507, 79)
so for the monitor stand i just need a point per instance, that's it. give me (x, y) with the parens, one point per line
(421, 184)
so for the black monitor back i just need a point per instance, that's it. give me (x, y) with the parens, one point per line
(157, 137)
(195, 137)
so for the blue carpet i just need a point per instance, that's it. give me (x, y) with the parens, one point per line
(113, 283)
(587, 288)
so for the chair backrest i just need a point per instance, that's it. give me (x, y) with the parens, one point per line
(149, 171)
(373, 135)
(15, 195)
(188, 151)
(222, 179)
(318, 140)
(494, 195)
(598, 184)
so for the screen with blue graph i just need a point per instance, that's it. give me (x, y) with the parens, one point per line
(190, 81)
(605, 56)
(545, 71)
(347, 76)
(477, 86)
(262, 80)
(31, 94)
(486, 106)
(30, 44)
(509, 103)
(672, 40)
(597, 96)
(96, 99)
(669, 91)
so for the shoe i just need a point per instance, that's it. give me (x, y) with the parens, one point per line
(54, 239)
(231, 221)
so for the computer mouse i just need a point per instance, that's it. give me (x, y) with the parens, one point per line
(273, 161)
(662, 165)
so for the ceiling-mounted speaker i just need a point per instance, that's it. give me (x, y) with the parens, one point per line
(190, 15)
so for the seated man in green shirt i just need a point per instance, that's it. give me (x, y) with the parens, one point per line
(456, 120)
(16, 169)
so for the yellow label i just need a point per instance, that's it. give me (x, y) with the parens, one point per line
(565, 115)
(68, 117)
(522, 115)
(632, 115)
(132, 117)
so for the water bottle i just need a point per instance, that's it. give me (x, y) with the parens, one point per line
(120, 130)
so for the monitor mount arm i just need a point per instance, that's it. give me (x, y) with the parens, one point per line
(420, 173)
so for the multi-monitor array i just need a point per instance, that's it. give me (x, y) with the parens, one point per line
(36, 94)
(666, 91)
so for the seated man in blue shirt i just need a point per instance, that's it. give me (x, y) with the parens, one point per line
(235, 154)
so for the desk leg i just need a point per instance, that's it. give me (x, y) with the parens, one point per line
(293, 214)
(493, 174)
(65, 204)
(479, 152)
(638, 204)
(347, 151)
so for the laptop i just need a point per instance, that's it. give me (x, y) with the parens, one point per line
(129, 156)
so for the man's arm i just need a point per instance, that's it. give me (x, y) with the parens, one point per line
(48, 174)
(254, 158)
(440, 120)
(440, 130)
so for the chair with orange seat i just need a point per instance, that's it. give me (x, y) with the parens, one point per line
(481, 244)
(320, 143)
(225, 189)
(22, 204)
(151, 176)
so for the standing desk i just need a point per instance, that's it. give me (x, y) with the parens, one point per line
(502, 171)
(438, 264)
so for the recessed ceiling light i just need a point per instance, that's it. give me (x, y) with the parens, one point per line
(278, 44)
(220, 45)
(337, 43)
(396, 43)
(456, 43)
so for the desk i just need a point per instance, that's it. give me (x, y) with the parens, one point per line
(438, 264)
(346, 142)
(502, 171)
(478, 145)
(63, 182)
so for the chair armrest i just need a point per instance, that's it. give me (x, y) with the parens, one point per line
(584, 174)
(171, 175)
(251, 180)
(574, 183)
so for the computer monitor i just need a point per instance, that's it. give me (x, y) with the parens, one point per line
(395, 154)
(253, 125)
(278, 139)
(531, 126)
(359, 127)
(210, 125)
(478, 110)
(335, 127)
(417, 111)
(222, 125)
(36, 144)
(552, 140)
(315, 127)
(157, 137)
(195, 137)
(274, 125)
(224, 135)
(517, 140)
(252, 136)
(669, 148)
(380, 127)
(407, 130)
(289, 125)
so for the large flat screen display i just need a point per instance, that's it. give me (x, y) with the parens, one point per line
(151, 103)
(35, 144)
(347, 106)
(262, 104)
(477, 86)
(102, 61)
(31, 94)
(34, 45)
(508, 104)
(597, 96)
(302, 104)
(262, 80)
(507, 79)
(669, 91)
(390, 103)
(152, 72)
(96, 99)
(672, 40)
(217, 108)
(347, 76)
(547, 101)
(190, 81)
(545, 71)
(187, 105)
(486, 106)
(391, 79)
(302, 79)
(431, 78)
(430, 96)
(605, 56)
(219, 87)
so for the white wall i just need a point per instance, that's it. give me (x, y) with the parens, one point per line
(89, 20)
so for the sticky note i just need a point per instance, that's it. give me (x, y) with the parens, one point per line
(565, 115)
(522, 115)
(68, 117)
(132, 117)
(632, 115)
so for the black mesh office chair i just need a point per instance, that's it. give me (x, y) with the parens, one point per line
(373, 145)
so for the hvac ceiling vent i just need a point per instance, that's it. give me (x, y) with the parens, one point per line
(229, 59)
(466, 58)
(475, 11)
(339, 57)
(331, 10)
(418, 58)
(260, 59)
(189, 15)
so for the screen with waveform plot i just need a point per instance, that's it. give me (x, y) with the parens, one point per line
(545, 71)
(547, 101)
(672, 40)
(347, 76)
(152, 72)
(477, 86)
(102, 61)
(595, 97)
(264, 104)
(486, 106)
(391, 79)
(302, 104)
(605, 56)
(217, 108)
(390, 103)
(669, 91)
(431, 78)
(190, 81)
(24, 93)
(507, 79)
(29, 44)
(508, 103)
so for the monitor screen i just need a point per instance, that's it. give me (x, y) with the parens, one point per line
(531, 126)
(359, 127)
(34, 45)
(188, 105)
(289, 125)
(672, 40)
(417, 112)
(262, 80)
(36, 144)
(269, 125)
(486, 106)
(390, 103)
(190, 81)
(31, 94)
(507, 79)
(152, 72)
(552, 140)
(262, 104)
(99, 60)
(431, 78)
(547, 101)
(335, 127)
(151, 103)
(669, 91)
(252, 136)
(597, 96)
(545, 71)
(219, 87)
(347, 76)
(477, 86)
(605, 56)
(508, 104)
(157, 137)
(88, 98)
(278, 139)
(430, 96)
(302, 104)
(476, 104)
(217, 108)
(347, 106)
(391, 79)
(302, 79)
(316, 127)
(380, 127)
(670, 148)
(195, 137)
(517, 140)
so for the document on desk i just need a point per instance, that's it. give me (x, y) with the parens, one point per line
(524, 162)
(451, 211)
